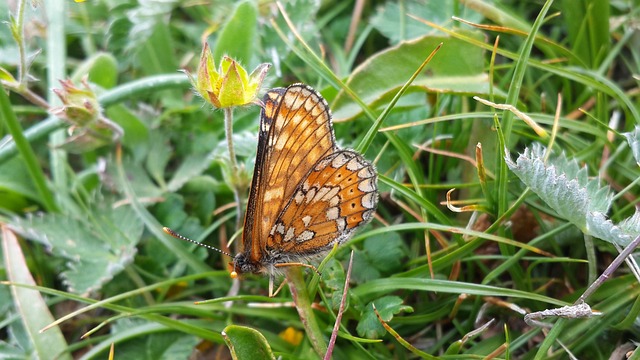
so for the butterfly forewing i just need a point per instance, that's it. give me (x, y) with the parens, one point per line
(337, 196)
(295, 134)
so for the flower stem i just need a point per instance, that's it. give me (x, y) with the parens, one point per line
(303, 305)
(228, 129)
(235, 174)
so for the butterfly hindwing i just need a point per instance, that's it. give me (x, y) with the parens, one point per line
(338, 196)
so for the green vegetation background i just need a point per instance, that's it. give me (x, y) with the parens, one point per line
(82, 221)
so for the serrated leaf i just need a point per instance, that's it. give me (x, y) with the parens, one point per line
(246, 343)
(369, 325)
(622, 234)
(97, 248)
(562, 184)
(633, 138)
(382, 254)
(599, 226)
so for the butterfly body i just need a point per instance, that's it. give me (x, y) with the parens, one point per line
(307, 194)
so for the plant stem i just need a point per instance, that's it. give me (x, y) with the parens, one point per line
(228, 129)
(120, 93)
(303, 305)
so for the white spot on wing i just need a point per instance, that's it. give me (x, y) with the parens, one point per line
(366, 172)
(333, 213)
(289, 235)
(311, 194)
(366, 185)
(355, 164)
(369, 200)
(305, 236)
(339, 160)
(306, 220)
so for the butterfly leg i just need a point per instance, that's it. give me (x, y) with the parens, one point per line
(300, 264)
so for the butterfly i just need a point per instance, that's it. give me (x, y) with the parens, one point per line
(307, 194)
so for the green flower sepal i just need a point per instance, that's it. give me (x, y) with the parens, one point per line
(229, 85)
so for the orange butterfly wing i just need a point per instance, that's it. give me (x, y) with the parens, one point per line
(295, 133)
(339, 195)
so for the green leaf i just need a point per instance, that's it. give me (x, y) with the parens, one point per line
(97, 248)
(33, 309)
(160, 152)
(599, 226)
(588, 29)
(369, 325)
(135, 131)
(394, 22)
(382, 254)
(101, 68)
(246, 343)
(150, 344)
(238, 37)
(6, 75)
(14, 179)
(333, 277)
(191, 166)
(302, 14)
(563, 186)
(456, 69)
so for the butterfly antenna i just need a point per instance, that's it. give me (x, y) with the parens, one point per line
(178, 236)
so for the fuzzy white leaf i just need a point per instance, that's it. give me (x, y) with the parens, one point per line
(563, 185)
(633, 138)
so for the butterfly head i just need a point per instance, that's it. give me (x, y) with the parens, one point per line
(241, 264)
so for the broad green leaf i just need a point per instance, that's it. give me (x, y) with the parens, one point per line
(369, 325)
(393, 20)
(456, 69)
(238, 36)
(565, 187)
(633, 138)
(97, 248)
(33, 309)
(246, 343)
(101, 68)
